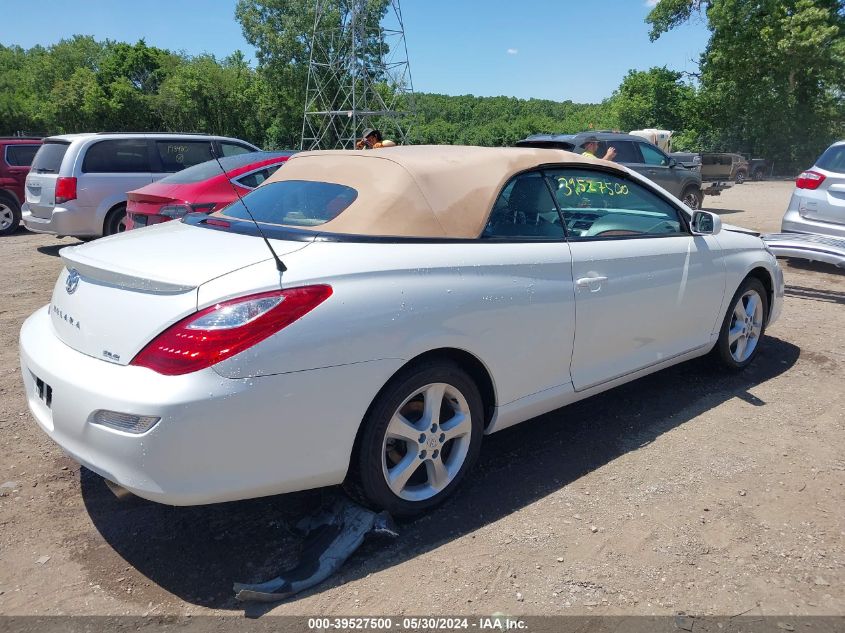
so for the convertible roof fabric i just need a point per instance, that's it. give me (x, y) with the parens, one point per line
(435, 191)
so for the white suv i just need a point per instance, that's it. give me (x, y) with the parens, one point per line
(78, 182)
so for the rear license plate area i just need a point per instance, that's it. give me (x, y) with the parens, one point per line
(44, 392)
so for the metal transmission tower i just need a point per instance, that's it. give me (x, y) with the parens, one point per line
(358, 74)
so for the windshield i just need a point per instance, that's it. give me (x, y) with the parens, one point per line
(833, 159)
(210, 168)
(293, 203)
(49, 157)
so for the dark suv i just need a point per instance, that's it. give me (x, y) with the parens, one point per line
(16, 154)
(635, 153)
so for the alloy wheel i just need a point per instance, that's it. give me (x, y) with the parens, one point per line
(7, 216)
(426, 442)
(746, 326)
(691, 200)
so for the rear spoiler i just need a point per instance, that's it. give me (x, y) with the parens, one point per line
(819, 248)
(94, 270)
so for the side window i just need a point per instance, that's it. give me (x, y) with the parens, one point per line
(626, 151)
(232, 149)
(257, 177)
(525, 209)
(598, 205)
(176, 155)
(20, 155)
(653, 156)
(117, 156)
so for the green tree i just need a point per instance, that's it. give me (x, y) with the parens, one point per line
(654, 98)
(772, 74)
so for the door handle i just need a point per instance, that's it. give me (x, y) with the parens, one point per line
(593, 283)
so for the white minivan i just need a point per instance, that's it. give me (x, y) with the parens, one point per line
(78, 182)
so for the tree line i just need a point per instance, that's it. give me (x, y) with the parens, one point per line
(771, 83)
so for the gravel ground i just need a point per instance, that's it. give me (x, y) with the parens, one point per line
(689, 490)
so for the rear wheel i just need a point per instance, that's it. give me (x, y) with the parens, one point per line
(10, 215)
(115, 221)
(759, 174)
(692, 197)
(743, 325)
(420, 438)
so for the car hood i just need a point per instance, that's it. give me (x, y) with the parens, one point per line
(739, 229)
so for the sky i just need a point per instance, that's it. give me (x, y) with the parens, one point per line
(546, 49)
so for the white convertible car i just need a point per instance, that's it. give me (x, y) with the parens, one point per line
(422, 298)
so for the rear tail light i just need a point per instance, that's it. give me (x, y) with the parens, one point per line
(206, 207)
(228, 328)
(65, 190)
(809, 180)
(175, 211)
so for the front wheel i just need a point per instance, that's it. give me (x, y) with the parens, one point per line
(740, 177)
(420, 438)
(743, 325)
(692, 197)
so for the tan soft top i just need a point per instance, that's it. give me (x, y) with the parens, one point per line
(422, 190)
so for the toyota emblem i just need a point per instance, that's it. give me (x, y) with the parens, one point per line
(72, 281)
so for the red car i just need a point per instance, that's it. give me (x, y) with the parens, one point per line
(204, 188)
(16, 154)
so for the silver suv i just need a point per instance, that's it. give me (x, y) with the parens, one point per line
(78, 182)
(818, 201)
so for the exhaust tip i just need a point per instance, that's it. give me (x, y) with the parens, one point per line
(118, 491)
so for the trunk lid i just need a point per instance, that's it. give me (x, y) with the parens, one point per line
(115, 294)
(831, 205)
(40, 191)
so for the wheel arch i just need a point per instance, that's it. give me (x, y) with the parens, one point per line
(465, 360)
(764, 276)
(11, 195)
(109, 212)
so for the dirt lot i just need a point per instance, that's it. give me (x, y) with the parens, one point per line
(689, 491)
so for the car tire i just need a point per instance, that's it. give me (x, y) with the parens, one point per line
(740, 177)
(759, 175)
(405, 462)
(115, 221)
(743, 326)
(692, 197)
(10, 215)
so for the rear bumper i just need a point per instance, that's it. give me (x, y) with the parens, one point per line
(814, 247)
(793, 222)
(218, 439)
(77, 222)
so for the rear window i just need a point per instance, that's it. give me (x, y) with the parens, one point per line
(294, 203)
(833, 159)
(177, 155)
(210, 168)
(48, 158)
(20, 155)
(118, 156)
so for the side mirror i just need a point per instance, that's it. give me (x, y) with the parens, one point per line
(706, 223)
(673, 162)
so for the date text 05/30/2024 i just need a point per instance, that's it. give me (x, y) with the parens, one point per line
(495, 622)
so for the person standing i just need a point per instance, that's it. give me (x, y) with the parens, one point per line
(370, 139)
(591, 146)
